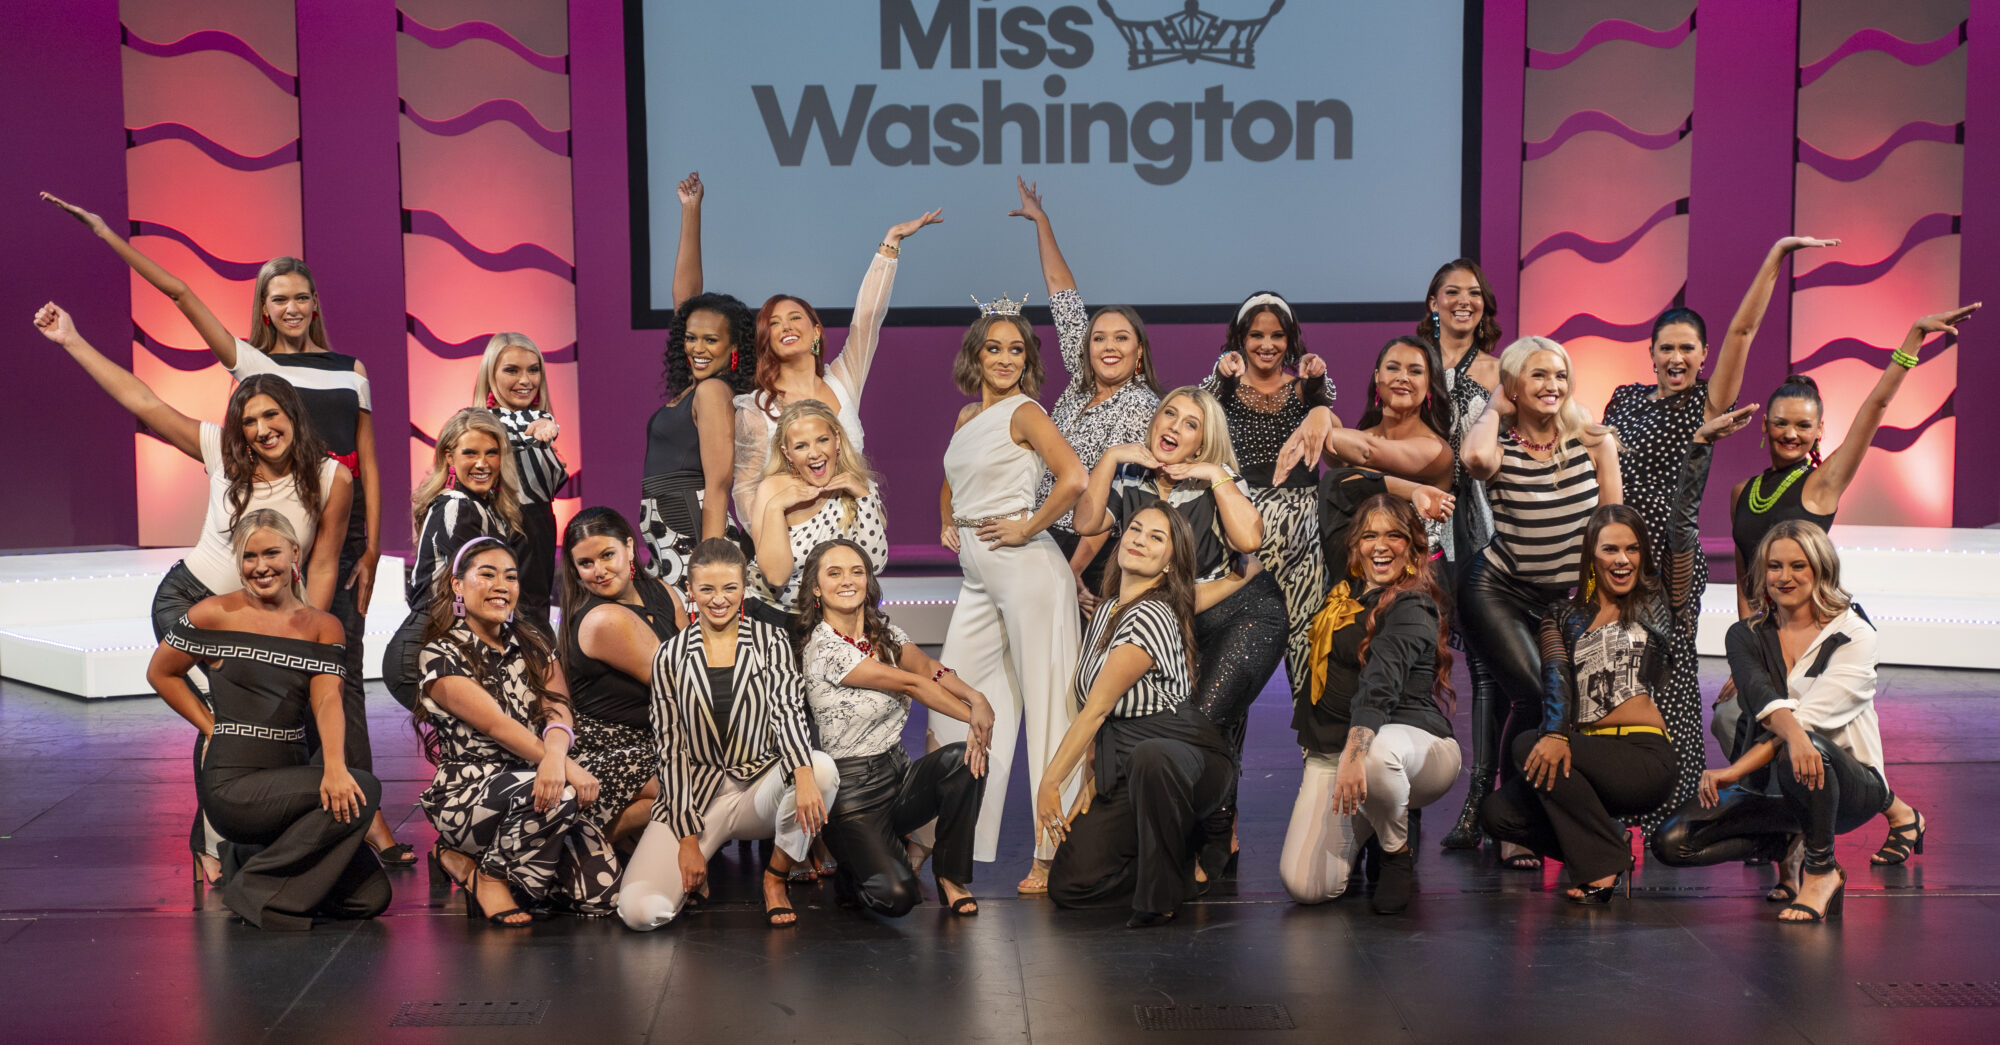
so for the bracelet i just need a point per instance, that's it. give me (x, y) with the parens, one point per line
(553, 726)
(1557, 735)
(1906, 360)
(942, 671)
(890, 249)
(1229, 479)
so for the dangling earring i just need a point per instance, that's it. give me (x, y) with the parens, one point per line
(490, 401)
(1410, 569)
(732, 359)
(510, 617)
(815, 602)
(296, 578)
(458, 605)
(815, 346)
(635, 571)
(450, 477)
(1761, 438)
(1437, 328)
(1590, 581)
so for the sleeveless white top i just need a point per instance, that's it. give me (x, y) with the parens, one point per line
(212, 560)
(990, 474)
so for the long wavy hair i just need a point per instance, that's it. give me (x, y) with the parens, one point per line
(482, 385)
(1085, 379)
(1434, 409)
(965, 371)
(1313, 389)
(1485, 336)
(1646, 575)
(1215, 445)
(506, 496)
(767, 366)
(678, 376)
(262, 337)
(1829, 599)
(1571, 421)
(849, 460)
(535, 645)
(874, 624)
(239, 458)
(274, 521)
(600, 521)
(1421, 577)
(1175, 588)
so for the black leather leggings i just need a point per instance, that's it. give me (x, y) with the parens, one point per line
(1500, 616)
(354, 625)
(884, 798)
(1747, 823)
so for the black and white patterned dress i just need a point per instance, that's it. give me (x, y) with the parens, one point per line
(1091, 430)
(482, 796)
(869, 528)
(1653, 435)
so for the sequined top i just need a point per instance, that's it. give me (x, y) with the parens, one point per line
(1260, 424)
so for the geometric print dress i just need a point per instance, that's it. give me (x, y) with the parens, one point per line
(482, 797)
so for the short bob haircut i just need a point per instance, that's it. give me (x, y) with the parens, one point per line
(1829, 599)
(965, 370)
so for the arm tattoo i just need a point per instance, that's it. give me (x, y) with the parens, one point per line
(1359, 740)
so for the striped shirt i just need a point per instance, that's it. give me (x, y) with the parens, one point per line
(1150, 625)
(1540, 509)
(541, 468)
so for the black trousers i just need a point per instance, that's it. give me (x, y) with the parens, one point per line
(177, 593)
(1745, 823)
(1500, 616)
(306, 863)
(884, 798)
(360, 753)
(1576, 821)
(1239, 643)
(1138, 842)
(538, 560)
(399, 658)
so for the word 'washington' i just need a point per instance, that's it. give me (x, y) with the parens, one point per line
(902, 135)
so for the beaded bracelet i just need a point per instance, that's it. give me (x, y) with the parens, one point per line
(942, 671)
(1906, 360)
(891, 249)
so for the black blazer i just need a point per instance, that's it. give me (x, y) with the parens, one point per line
(767, 721)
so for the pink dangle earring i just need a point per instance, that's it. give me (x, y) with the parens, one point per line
(458, 604)
(450, 477)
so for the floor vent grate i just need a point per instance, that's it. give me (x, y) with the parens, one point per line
(470, 1013)
(1934, 995)
(1213, 1017)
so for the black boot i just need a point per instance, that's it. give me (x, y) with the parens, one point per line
(1465, 834)
(1398, 883)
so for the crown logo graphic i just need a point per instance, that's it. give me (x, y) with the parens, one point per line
(1192, 36)
(1000, 306)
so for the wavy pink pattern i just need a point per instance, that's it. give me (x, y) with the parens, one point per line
(1585, 325)
(471, 346)
(212, 40)
(185, 360)
(520, 256)
(1897, 440)
(457, 34)
(501, 109)
(1605, 32)
(283, 154)
(1600, 252)
(1896, 47)
(1842, 274)
(1593, 120)
(236, 270)
(1863, 165)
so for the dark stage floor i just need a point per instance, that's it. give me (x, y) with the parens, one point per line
(103, 939)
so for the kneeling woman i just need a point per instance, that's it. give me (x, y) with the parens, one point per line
(1804, 668)
(1377, 745)
(736, 758)
(861, 672)
(271, 660)
(1602, 751)
(1157, 768)
(615, 615)
(509, 804)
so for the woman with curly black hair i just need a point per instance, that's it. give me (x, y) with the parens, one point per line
(684, 497)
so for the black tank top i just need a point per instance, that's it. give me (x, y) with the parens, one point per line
(601, 691)
(1748, 527)
(672, 442)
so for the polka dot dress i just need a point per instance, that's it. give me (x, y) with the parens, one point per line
(867, 527)
(1654, 434)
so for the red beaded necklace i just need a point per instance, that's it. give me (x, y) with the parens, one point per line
(866, 647)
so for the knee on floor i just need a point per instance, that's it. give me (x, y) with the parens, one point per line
(644, 912)
(891, 895)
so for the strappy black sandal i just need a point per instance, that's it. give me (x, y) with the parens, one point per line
(1833, 905)
(474, 910)
(399, 855)
(1902, 841)
(966, 906)
(771, 914)
(1598, 895)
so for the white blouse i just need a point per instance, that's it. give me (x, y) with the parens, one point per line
(1839, 702)
(853, 722)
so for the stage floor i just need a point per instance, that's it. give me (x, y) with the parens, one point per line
(103, 938)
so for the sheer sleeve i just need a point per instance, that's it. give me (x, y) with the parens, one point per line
(753, 438)
(864, 331)
(1558, 674)
(1684, 536)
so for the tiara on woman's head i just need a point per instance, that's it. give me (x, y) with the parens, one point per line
(1001, 306)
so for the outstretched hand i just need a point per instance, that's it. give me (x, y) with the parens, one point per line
(54, 323)
(1031, 202)
(1947, 322)
(91, 221)
(1724, 425)
(1792, 243)
(898, 233)
(1230, 365)
(690, 190)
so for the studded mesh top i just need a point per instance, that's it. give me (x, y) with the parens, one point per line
(1259, 424)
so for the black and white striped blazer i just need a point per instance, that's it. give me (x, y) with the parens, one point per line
(767, 720)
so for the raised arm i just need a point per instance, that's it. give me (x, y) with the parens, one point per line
(864, 331)
(1725, 383)
(1481, 447)
(1056, 276)
(218, 338)
(1826, 483)
(777, 495)
(1091, 515)
(687, 255)
(178, 429)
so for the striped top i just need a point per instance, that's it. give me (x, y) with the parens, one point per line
(1540, 509)
(1149, 625)
(540, 466)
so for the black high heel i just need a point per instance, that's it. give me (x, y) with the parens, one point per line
(966, 906)
(475, 911)
(1834, 904)
(771, 913)
(1599, 895)
(1466, 834)
(1902, 841)
(441, 876)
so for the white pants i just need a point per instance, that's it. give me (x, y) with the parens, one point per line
(765, 806)
(1013, 637)
(1407, 769)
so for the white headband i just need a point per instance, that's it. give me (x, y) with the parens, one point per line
(1264, 299)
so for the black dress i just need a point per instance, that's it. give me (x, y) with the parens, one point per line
(614, 732)
(1747, 526)
(1652, 434)
(260, 789)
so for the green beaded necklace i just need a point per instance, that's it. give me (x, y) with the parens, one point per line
(1759, 504)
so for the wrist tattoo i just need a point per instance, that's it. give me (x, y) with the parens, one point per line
(1360, 739)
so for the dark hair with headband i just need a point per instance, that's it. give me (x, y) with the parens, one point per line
(1263, 302)
(533, 643)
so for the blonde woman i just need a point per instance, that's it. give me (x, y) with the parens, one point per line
(472, 491)
(513, 384)
(1188, 463)
(816, 487)
(1546, 467)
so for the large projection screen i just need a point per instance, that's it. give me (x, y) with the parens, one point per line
(1189, 153)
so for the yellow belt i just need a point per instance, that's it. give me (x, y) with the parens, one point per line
(1619, 731)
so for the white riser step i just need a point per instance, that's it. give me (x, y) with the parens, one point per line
(1926, 630)
(68, 587)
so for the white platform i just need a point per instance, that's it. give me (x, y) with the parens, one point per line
(80, 622)
(1933, 594)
